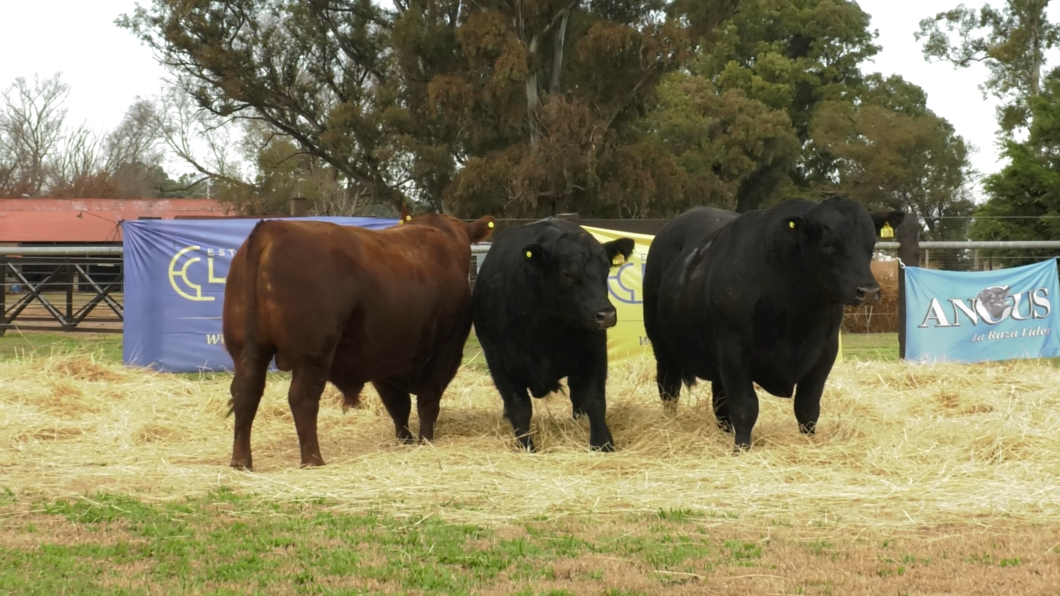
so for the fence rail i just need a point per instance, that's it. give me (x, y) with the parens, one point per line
(61, 293)
(79, 288)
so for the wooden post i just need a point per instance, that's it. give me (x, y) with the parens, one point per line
(298, 207)
(908, 237)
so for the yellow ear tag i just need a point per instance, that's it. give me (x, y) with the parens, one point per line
(408, 217)
(887, 231)
(490, 224)
(529, 254)
(618, 260)
(791, 225)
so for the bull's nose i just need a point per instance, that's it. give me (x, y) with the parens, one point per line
(606, 318)
(869, 294)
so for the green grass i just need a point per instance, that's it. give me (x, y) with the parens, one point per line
(873, 346)
(229, 543)
(224, 543)
(17, 344)
(870, 346)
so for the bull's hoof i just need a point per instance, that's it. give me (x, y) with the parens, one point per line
(404, 436)
(242, 466)
(526, 444)
(314, 461)
(607, 447)
(808, 429)
(741, 448)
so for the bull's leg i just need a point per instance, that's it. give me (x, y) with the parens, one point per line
(721, 406)
(517, 409)
(399, 405)
(809, 389)
(248, 384)
(445, 366)
(588, 390)
(307, 384)
(743, 401)
(577, 407)
(428, 404)
(667, 375)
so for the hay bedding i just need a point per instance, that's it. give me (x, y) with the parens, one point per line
(898, 444)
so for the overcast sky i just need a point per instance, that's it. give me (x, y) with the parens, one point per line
(107, 68)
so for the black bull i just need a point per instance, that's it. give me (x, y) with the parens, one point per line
(541, 313)
(757, 298)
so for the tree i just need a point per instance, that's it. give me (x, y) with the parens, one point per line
(791, 55)
(41, 156)
(1024, 199)
(450, 104)
(530, 156)
(314, 71)
(895, 153)
(31, 131)
(1011, 42)
(246, 164)
(733, 151)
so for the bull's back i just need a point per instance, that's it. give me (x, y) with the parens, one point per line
(376, 293)
(678, 238)
(670, 252)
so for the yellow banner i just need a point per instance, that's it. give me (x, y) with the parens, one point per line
(628, 338)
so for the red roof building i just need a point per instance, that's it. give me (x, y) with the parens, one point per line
(91, 220)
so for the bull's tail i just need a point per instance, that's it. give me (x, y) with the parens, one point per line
(250, 352)
(253, 257)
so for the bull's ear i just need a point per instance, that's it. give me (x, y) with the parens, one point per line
(481, 228)
(622, 246)
(534, 253)
(886, 222)
(795, 222)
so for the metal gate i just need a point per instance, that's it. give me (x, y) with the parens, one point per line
(61, 288)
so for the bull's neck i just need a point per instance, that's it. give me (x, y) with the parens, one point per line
(789, 267)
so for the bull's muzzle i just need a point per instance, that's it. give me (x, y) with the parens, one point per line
(868, 295)
(606, 318)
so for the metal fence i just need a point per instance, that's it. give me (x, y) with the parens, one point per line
(62, 288)
(80, 288)
(978, 256)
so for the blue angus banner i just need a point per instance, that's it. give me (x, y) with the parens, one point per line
(954, 316)
(174, 288)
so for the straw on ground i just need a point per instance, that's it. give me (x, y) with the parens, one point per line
(898, 445)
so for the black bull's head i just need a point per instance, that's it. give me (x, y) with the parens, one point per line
(575, 269)
(836, 239)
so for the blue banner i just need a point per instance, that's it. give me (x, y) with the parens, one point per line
(175, 273)
(954, 316)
